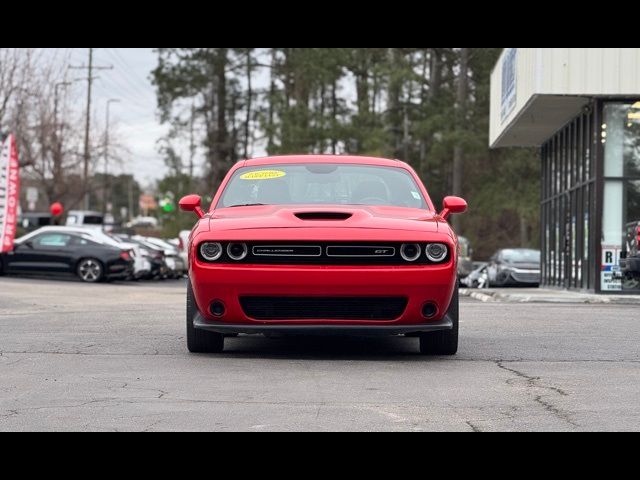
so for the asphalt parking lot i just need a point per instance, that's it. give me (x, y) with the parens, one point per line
(113, 358)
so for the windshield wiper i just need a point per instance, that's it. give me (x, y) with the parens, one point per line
(249, 205)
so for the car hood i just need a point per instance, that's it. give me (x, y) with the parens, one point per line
(365, 217)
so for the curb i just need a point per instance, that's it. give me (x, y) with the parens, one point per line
(554, 299)
(483, 297)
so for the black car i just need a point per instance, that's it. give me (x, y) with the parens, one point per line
(630, 258)
(66, 254)
(514, 267)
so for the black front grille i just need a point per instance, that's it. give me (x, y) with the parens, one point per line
(324, 308)
(526, 277)
(324, 253)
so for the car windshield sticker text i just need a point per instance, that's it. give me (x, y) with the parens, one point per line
(264, 175)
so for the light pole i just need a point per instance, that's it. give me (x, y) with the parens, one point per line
(56, 99)
(107, 185)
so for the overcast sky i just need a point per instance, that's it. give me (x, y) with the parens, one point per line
(135, 117)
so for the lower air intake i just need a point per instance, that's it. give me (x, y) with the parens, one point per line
(324, 308)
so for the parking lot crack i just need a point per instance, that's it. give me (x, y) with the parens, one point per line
(540, 398)
(474, 428)
(10, 413)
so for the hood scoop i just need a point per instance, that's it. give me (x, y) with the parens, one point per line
(324, 216)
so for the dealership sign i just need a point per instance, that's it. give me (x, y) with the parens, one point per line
(9, 193)
(611, 276)
(509, 82)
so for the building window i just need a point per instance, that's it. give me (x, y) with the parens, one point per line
(621, 213)
(568, 206)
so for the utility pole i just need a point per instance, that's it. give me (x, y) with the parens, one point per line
(130, 195)
(460, 115)
(58, 132)
(107, 186)
(56, 98)
(192, 143)
(87, 132)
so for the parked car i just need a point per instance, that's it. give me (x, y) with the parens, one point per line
(143, 222)
(183, 246)
(141, 266)
(67, 253)
(175, 264)
(323, 244)
(514, 267)
(630, 261)
(32, 221)
(79, 218)
(465, 262)
(153, 254)
(478, 277)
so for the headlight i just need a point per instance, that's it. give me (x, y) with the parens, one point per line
(210, 251)
(237, 251)
(410, 252)
(436, 252)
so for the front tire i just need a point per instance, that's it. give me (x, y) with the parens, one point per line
(445, 342)
(200, 341)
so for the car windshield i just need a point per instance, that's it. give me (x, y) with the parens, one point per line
(521, 256)
(322, 184)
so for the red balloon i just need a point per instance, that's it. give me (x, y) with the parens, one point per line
(56, 209)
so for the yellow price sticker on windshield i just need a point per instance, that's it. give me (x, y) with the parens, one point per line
(263, 175)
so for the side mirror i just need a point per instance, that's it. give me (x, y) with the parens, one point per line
(192, 203)
(453, 205)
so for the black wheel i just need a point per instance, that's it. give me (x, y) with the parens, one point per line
(444, 342)
(200, 341)
(1, 267)
(90, 270)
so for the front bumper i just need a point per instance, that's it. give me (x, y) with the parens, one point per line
(322, 330)
(418, 284)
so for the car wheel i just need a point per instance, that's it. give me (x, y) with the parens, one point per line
(200, 341)
(444, 342)
(1, 267)
(90, 270)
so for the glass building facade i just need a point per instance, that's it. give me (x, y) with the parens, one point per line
(591, 200)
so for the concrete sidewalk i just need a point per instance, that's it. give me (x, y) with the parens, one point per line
(542, 295)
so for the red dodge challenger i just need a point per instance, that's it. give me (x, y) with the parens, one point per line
(308, 245)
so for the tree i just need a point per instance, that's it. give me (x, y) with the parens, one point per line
(427, 106)
(36, 105)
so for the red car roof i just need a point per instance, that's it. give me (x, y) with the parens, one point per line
(347, 159)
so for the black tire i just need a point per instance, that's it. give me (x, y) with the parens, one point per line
(90, 270)
(200, 341)
(444, 342)
(1, 267)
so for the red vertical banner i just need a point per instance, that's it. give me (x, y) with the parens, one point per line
(9, 193)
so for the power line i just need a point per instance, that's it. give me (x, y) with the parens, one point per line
(143, 82)
(134, 82)
(117, 88)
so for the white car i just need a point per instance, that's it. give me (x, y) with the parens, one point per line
(82, 218)
(173, 259)
(183, 245)
(142, 266)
